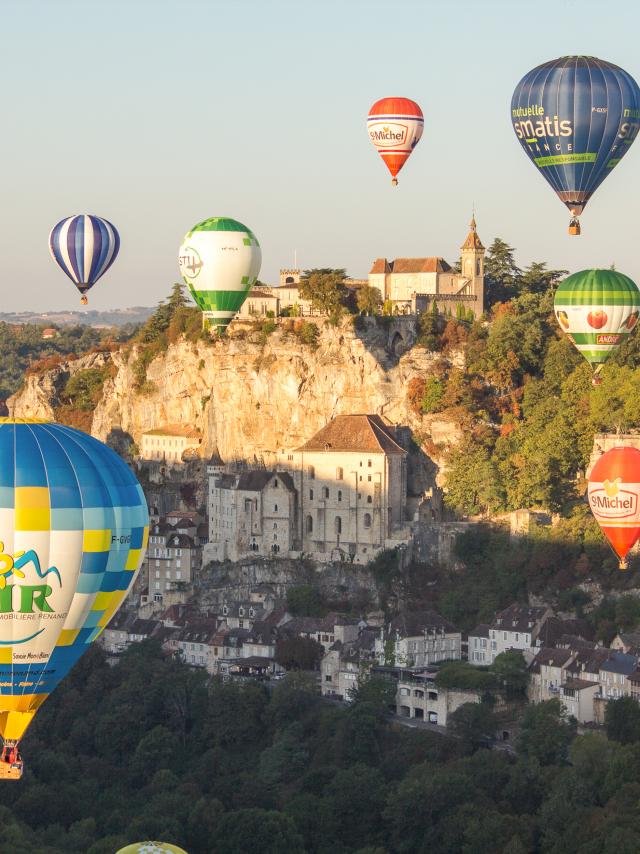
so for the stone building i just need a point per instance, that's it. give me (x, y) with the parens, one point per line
(171, 443)
(412, 285)
(251, 513)
(171, 561)
(351, 479)
(418, 639)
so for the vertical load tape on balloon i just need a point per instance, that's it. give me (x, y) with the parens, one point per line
(219, 262)
(73, 532)
(575, 118)
(395, 127)
(614, 498)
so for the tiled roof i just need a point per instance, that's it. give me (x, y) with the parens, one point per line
(518, 618)
(415, 623)
(472, 241)
(620, 663)
(480, 631)
(363, 433)
(579, 684)
(411, 265)
(254, 293)
(180, 541)
(553, 628)
(174, 430)
(550, 658)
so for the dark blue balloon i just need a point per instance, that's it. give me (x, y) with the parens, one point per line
(576, 118)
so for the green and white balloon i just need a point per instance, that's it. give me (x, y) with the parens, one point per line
(219, 261)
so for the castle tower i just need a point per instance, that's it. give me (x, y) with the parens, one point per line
(289, 277)
(472, 265)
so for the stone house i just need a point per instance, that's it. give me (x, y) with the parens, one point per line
(517, 627)
(251, 513)
(478, 648)
(170, 443)
(260, 302)
(325, 630)
(170, 565)
(418, 639)
(351, 481)
(194, 644)
(412, 285)
(345, 663)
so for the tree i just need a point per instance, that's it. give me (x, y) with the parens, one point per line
(510, 669)
(622, 720)
(500, 273)
(325, 288)
(546, 733)
(368, 300)
(474, 723)
(536, 279)
(256, 831)
(299, 653)
(377, 693)
(306, 600)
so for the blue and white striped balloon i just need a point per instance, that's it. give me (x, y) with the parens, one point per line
(84, 247)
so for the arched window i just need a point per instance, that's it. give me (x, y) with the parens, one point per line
(367, 520)
(309, 524)
(369, 499)
(338, 525)
(339, 495)
(288, 280)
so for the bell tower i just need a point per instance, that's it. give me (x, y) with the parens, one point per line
(472, 266)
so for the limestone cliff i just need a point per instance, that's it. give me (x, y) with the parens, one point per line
(253, 397)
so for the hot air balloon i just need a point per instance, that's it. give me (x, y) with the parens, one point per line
(84, 247)
(151, 848)
(219, 261)
(614, 498)
(73, 531)
(597, 309)
(395, 126)
(576, 118)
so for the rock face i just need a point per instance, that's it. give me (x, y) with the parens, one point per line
(253, 398)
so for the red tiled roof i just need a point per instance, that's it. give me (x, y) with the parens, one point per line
(367, 433)
(411, 265)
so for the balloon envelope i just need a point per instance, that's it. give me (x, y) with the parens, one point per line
(151, 848)
(614, 497)
(73, 530)
(84, 247)
(598, 310)
(395, 126)
(219, 261)
(576, 118)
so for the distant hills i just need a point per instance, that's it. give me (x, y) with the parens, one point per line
(112, 317)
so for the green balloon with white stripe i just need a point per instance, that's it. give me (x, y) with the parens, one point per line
(219, 261)
(597, 309)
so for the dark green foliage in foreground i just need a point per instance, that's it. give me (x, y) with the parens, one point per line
(152, 749)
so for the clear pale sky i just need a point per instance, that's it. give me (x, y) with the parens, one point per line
(159, 113)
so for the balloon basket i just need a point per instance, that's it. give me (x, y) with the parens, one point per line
(10, 769)
(623, 565)
(84, 300)
(574, 228)
(394, 181)
(596, 381)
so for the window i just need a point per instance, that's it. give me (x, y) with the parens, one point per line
(311, 495)
(517, 636)
(325, 491)
(369, 499)
(369, 463)
(311, 473)
(338, 525)
(361, 478)
(275, 483)
(275, 526)
(275, 508)
(309, 524)
(327, 678)
(339, 473)
(339, 495)
(369, 477)
(367, 520)
(178, 563)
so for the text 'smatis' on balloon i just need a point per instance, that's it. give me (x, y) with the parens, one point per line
(576, 117)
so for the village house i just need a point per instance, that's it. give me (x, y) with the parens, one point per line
(478, 648)
(195, 644)
(251, 513)
(171, 443)
(412, 285)
(170, 564)
(344, 663)
(517, 627)
(418, 639)
(325, 630)
(241, 614)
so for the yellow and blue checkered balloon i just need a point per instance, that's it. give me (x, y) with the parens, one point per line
(73, 530)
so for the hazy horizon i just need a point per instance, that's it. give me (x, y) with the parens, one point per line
(157, 116)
